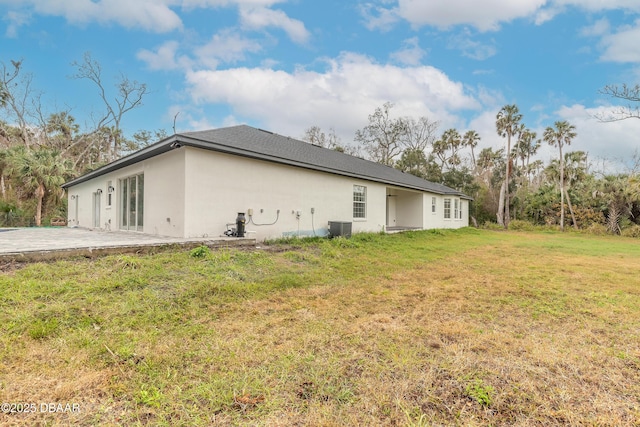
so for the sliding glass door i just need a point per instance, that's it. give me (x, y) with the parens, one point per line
(132, 203)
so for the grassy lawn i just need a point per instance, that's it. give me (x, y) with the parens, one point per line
(464, 327)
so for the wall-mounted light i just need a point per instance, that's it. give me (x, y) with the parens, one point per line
(99, 191)
(175, 144)
(111, 189)
(73, 197)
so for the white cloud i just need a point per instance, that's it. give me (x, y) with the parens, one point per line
(152, 15)
(15, 20)
(194, 4)
(410, 54)
(598, 28)
(378, 18)
(613, 141)
(342, 96)
(490, 98)
(146, 14)
(547, 14)
(622, 46)
(187, 117)
(226, 46)
(485, 15)
(257, 18)
(485, 125)
(600, 5)
(164, 57)
(471, 48)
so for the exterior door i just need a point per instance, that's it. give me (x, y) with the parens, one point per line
(74, 209)
(96, 210)
(391, 210)
(132, 203)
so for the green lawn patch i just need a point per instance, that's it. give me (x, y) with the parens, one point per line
(444, 327)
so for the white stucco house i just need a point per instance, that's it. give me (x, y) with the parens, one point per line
(194, 184)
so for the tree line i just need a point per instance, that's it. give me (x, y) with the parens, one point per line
(508, 183)
(41, 150)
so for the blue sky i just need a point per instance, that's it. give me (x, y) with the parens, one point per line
(286, 65)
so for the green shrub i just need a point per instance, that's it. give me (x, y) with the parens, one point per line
(520, 225)
(200, 252)
(344, 242)
(488, 225)
(150, 396)
(631, 231)
(127, 262)
(597, 229)
(43, 328)
(480, 392)
(295, 241)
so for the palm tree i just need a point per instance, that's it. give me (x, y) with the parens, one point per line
(40, 171)
(575, 171)
(446, 149)
(526, 147)
(60, 130)
(3, 167)
(471, 139)
(507, 125)
(558, 137)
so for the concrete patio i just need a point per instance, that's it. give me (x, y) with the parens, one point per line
(35, 244)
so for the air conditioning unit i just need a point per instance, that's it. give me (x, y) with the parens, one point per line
(339, 229)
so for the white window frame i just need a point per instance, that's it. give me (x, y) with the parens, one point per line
(110, 194)
(456, 209)
(359, 202)
(433, 205)
(447, 208)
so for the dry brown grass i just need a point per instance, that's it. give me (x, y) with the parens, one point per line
(468, 328)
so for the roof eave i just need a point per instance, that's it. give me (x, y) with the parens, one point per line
(153, 150)
(209, 145)
(178, 140)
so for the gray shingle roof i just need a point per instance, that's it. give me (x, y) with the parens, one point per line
(255, 143)
(266, 145)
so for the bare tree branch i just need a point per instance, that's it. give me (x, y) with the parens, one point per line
(129, 96)
(16, 91)
(630, 94)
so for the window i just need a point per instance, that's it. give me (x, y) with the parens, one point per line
(109, 193)
(455, 209)
(433, 205)
(359, 201)
(447, 208)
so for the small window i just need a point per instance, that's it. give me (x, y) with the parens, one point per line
(456, 211)
(359, 201)
(109, 193)
(433, 205)
(447, 208)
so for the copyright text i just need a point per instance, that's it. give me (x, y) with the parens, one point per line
(39, 408)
